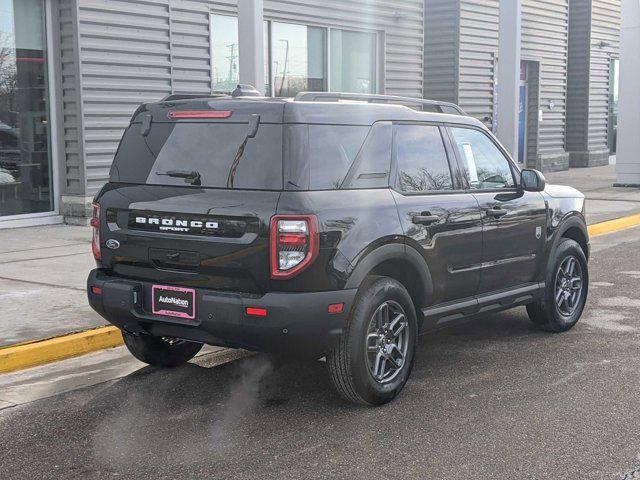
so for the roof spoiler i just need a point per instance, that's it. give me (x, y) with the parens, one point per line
(189, 96)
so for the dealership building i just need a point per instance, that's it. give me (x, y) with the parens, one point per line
(73, 71)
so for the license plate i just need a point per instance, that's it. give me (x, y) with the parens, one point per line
(173, 301)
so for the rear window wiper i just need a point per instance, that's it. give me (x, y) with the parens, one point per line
(192, 177)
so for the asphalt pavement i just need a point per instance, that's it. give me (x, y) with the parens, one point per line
(492, 398)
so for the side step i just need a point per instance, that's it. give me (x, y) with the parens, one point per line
(487, 303)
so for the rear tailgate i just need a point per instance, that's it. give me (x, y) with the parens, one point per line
(216, 239)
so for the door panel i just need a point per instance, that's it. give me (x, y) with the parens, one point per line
(513, 245)
(514, 221)
(440, 222)
(450, 244)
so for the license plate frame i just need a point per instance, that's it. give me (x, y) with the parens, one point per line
(171, 304)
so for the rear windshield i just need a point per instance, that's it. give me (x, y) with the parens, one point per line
(289, 157)
(200, 154)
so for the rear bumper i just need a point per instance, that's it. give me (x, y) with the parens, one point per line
(296, 323)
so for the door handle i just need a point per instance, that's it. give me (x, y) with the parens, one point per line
(425, 218)
(496, 212)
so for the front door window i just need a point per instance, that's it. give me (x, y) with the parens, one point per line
(483, 163)
(25, 166)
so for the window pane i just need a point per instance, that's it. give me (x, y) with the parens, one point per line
(297, 53)
(422, 159)
(372, 165)
(353, 61)
(332, 149)
(207, 148)
(483, 163)
(318, 157)
(224, 53)
(25, 169)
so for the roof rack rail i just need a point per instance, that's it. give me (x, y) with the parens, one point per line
(435, 105)
(187, 96)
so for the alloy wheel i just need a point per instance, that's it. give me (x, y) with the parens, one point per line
(387, 341)
(568, 286)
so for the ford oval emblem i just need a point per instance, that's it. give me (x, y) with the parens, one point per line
(112, 244)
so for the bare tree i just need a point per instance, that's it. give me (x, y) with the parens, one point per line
(8, 71)
(424, 180)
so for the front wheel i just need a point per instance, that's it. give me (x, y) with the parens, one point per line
(372, 361)
(565, 294)
(160, 351)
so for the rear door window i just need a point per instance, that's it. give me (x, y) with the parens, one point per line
(422, 163)
(212, 150)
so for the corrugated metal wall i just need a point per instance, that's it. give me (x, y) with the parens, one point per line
(544, 40)
(605, 27)
(134, 51)
(441, 34)
(72, 168)
(461, 44)
(545, 34)
(478, 51)
(578, 74)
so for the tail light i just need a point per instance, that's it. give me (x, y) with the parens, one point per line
(95, 224)
(294, 244)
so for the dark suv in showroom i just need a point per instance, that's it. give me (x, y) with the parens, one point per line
(328, 225)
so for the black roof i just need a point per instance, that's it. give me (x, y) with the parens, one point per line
(287, 110)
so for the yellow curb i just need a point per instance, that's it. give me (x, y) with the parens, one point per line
(614, 225)
(39, 352)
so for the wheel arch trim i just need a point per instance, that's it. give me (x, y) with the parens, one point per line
(390, 252)
(576, 222)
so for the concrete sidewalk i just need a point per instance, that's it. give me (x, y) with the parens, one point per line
(604, 201)
(43, 269)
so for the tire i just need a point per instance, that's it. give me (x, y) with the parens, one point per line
(562, 303)
(160, 352)
(362, 350)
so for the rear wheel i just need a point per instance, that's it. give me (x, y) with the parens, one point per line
(160, 351)
(373, 359)
(567, 283)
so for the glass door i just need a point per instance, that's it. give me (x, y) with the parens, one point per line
(25, 163)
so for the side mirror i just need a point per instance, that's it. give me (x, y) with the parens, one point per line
(532, 180)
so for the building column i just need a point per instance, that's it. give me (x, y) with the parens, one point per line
(251, 43)
(509, 74)
(628, 148)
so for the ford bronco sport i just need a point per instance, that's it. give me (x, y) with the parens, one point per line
(329, 225)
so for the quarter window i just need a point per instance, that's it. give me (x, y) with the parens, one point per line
(421, 159)
(332, 150)
(483, 163)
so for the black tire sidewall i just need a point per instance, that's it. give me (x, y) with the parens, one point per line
(379, 291)
(565, 248)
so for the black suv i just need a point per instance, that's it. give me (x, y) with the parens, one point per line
(329, 225)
